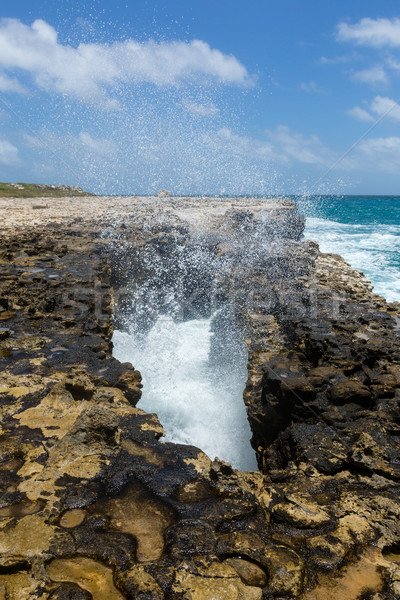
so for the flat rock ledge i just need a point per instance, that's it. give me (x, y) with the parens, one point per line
(94, 505)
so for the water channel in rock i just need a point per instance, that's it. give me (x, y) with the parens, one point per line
(195, 388)
(180, 289)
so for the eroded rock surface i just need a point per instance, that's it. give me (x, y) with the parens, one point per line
(95, 505)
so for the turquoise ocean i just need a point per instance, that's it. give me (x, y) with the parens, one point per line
(365, 230)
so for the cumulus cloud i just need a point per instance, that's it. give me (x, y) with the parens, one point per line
(381, 35)
(282, 146)
(360, 114)
(200, 109)
(336, 60)
(373, 75)
(385, 106)
(84, 142)
(237, 144)
(377, 33)
(311, 88)
(100, 146)
(9, 84)
(90, 71)
(392, 63)
(381, 154)
(294, 145)
(286, 149)
(380, 106)
(8, 153)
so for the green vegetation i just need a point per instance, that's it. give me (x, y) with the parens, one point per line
(35, 190)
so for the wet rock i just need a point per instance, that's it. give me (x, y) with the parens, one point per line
(90, 575)
(138, 583)
(21, 586)
(70, 591)
(217, 581)
(4, 333)
(130, 383)
(324, 375)
(285, 570)
(301, 513)
(191, 538)
(241, 543)
(250, 573)
(80, 384)
(24, 540)
(330, 549)
(350, 390)
(73, 518)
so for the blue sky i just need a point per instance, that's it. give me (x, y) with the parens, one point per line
(204, 97)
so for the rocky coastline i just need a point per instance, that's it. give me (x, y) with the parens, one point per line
(95, 505)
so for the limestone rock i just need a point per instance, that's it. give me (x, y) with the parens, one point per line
(250, 573)
(301, 513)
(219, 581)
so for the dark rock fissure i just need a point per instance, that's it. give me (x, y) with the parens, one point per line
(182, 333)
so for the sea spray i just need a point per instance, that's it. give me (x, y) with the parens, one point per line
(198, 399)
(182, 297)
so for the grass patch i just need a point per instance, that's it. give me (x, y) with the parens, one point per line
(39, 190)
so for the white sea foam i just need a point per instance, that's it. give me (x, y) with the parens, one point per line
(372, 248)
(198, 401)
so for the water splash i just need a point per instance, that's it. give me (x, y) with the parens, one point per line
(183, 282)
(197, 398)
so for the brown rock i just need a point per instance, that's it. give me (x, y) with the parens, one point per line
(301, 513)
(250, 573)
(349, 391)
(130, 383)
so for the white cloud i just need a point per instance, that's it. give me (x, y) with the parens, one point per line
(381, 107)
(294, 145)
(237, 144)
(380, 154)
(392, 63)
(324, 60)
(311, 87)
(201, 110)
(382, 33)
(373, 75)
(385, 106)
(283, 147)
(371, 32)
(90, 71)
(8, 153)
(8, 84)
(84, 143)
(100, 146)
(360, 114)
